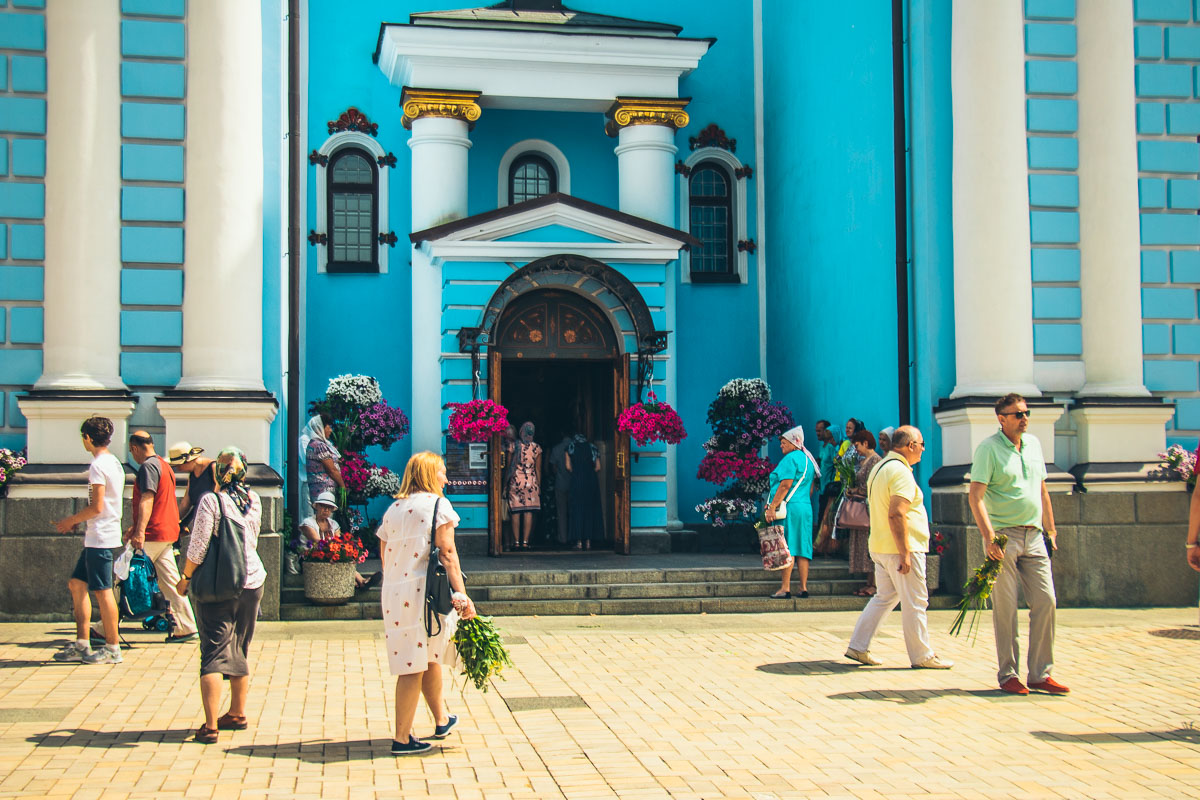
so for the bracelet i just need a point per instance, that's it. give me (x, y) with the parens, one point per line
(187, 578)
(1190, 545)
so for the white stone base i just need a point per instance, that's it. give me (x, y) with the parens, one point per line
(53, 433)
(965, 426)
(217, 423)
(1121, 433)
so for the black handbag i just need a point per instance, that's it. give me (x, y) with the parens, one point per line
(222, 575)
(437, 583)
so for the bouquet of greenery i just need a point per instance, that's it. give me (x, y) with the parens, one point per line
(977, 592)
(846, 467)
(481, 650)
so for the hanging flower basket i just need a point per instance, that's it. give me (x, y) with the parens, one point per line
(477, 421)
(651, 422)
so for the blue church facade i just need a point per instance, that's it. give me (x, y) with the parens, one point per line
(895, 211)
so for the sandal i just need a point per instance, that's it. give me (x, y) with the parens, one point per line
(781, 595)
(206, 735)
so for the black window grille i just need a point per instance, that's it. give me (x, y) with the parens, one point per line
(710, 203)
(531, 176)
(353, 196)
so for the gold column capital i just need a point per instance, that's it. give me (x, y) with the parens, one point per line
(450, 103)
(626, 111)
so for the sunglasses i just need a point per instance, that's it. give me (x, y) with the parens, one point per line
(1017, 414)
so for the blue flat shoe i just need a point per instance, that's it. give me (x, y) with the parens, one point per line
(442, 731)
(412, 747)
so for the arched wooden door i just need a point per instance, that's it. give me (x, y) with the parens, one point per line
(558, 327)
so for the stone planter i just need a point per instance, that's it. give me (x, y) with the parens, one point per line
(933, 572)
(329, 584)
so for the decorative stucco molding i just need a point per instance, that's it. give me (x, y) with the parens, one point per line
(446, 103)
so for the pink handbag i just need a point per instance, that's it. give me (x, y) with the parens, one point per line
(853, 515)
(772, 542)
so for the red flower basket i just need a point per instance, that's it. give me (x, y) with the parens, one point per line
(477, 420)
(651, 422)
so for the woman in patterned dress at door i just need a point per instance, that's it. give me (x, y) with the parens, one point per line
(524, 487)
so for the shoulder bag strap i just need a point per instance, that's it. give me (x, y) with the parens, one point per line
(879, 469)
(796, 482)
(433, 527)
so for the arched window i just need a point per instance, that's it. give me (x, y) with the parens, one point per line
(353, 197)
(710, 211)
(531, 176)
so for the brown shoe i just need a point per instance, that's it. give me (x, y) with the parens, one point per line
(1014, 686)
(229, 722)
(206, 735)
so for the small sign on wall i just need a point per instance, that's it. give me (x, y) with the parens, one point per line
(466, 467)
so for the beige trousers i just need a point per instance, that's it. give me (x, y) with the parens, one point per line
(162, 555)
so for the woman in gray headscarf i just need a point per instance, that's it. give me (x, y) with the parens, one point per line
(524, 487)
(792, 484)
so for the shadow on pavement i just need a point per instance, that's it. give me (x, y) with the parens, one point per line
(82, 737)
(915, 696)
(322, 751)
(822, 667)
(1189, 735)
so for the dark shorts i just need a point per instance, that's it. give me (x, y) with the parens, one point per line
(94, 568)
(225, 633)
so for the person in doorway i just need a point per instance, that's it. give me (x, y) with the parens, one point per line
(885, 440)
(1008, 495)
(587, 517)
(508, 446)
(322, 525)
(792, 484)
(898, 543)
(321, 459)
(200, 480)
(155, 529)
(860, 555)
(93, 575)
(524, 487)
(562, 485)
(414, 655)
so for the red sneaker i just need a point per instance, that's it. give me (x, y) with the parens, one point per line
(1050, 686)
(1014, 686)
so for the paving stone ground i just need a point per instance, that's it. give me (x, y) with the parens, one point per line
(686, 707)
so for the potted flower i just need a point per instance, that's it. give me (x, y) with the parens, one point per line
(477, 421)
(933, 560)
(651, 421)
(1178, 465)
(329, 567)
(10, 464)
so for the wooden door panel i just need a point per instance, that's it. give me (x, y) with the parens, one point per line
(622, 467)
(495, 463)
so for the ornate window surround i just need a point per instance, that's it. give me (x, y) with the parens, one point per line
(537, 147)
(737, 186)
(334, 143)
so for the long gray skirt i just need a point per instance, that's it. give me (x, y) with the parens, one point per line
(225, 633)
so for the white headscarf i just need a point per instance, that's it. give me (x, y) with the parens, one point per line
(888, 431)
(316, 430)
(796, 437)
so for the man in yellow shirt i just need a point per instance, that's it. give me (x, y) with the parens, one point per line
(898, 542)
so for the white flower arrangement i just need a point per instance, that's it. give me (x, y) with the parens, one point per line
(354, 390)
(746, 389)
(382, 483)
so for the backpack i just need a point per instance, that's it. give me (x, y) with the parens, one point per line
(140, 594)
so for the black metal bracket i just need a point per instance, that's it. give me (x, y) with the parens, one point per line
(389, 238)
(317, 238)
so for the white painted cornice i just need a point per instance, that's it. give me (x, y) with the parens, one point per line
(521, 252)
(534, 70)
(559, 214)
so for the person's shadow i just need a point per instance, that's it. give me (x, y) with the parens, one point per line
(1190, 735)
(821, 667)
(83, 737)
(321, 751)
(910, 697)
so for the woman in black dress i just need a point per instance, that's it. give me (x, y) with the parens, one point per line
(586, 517)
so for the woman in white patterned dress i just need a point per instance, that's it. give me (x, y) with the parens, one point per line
(415, 657)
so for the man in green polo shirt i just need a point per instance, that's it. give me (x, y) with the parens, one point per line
(1008, 495)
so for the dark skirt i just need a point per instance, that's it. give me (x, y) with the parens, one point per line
(225, 633)
(586, 519)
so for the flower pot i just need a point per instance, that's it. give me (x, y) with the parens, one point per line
(329, 584)
(933, 572)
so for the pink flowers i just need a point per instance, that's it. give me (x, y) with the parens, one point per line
(718, 466)
(477, 421)
(379, 424)
(651, 422)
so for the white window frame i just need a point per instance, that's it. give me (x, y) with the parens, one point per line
(538, 147)
(732, 164)
(340, 141)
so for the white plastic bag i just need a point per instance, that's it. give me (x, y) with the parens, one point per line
(121, 564)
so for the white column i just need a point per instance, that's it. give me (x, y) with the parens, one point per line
(646, 172)
(439, 146)
(220, 398)
(82, 306)
(993, 304)
(1109, 236)
(81, 351)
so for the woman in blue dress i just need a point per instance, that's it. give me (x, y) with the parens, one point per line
(793, 482)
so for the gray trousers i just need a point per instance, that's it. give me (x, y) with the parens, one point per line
(1026, 562)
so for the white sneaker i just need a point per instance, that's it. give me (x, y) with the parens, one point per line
(103, 656)
(71, 652)
(933, 662)
(862, 656)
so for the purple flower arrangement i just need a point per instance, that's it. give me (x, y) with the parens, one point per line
(381, 425)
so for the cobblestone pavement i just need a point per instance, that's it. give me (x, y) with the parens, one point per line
(735, 706)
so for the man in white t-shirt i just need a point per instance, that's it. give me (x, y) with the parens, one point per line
(94, 571)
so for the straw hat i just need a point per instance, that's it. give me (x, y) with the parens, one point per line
(326, 499)
(182, 453)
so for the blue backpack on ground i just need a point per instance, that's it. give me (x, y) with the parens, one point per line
(140, 595)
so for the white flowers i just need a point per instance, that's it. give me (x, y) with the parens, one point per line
(382, 483)
(356, 390)
(745, 389)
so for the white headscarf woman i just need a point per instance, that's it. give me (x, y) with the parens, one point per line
(796, 437)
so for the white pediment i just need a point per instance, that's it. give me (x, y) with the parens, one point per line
(522, 69)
